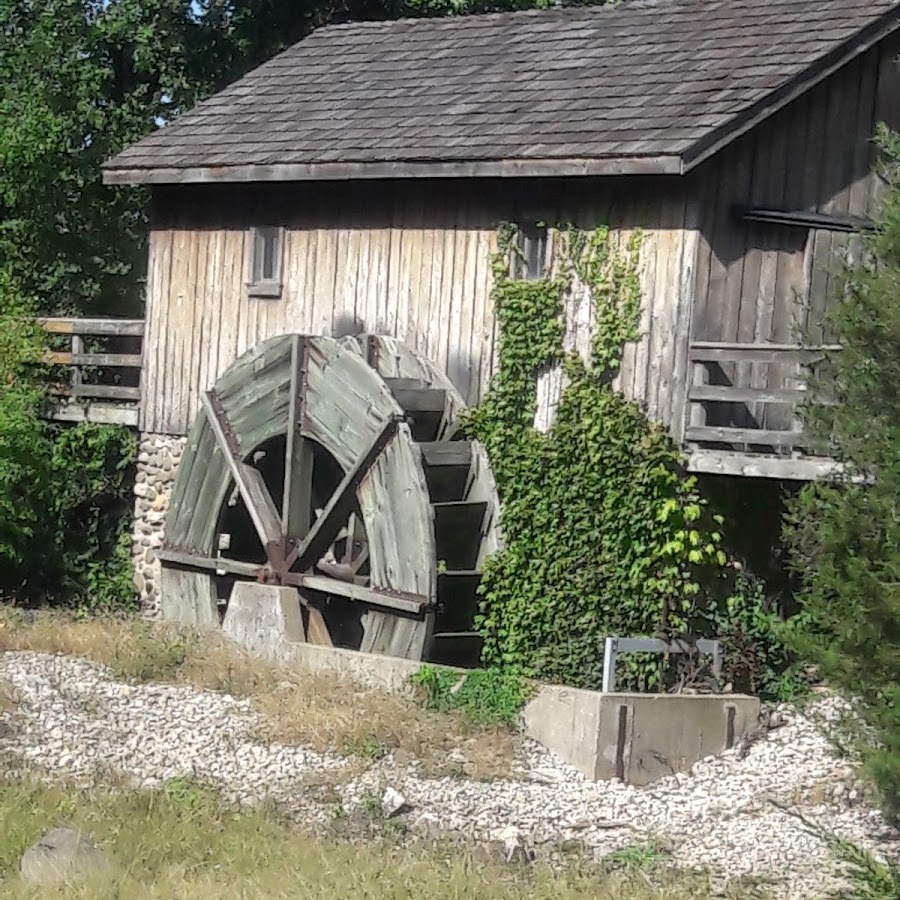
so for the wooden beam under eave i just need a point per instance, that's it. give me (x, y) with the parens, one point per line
(503, 168)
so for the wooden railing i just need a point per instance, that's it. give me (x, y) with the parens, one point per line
(95, 360)
(731, 404)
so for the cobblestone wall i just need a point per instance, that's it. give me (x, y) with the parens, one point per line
(157, 463)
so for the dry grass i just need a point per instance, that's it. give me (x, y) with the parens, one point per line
(295, 708)
(7, 701)
(181, 842)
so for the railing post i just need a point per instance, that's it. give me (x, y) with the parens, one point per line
(77, 348)
(717, 661)
(697, 409)
(609, 665)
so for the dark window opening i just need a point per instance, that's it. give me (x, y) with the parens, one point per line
(531, 256)
(268, 249)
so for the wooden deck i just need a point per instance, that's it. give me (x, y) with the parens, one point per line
(743, 410)
(95, 369)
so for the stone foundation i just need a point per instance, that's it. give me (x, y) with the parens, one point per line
(157, 463)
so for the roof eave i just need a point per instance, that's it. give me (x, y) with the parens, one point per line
(805, 81)
(114, 174)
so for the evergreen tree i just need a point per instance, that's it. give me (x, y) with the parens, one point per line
(844, 535)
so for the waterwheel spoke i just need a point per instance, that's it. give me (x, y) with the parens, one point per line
(316, 629)
(339, 571)
(360, 560)
(297, 503)
(401, 601)
(351, 540)
(184, 560)
(249, 481)
(298, 459)
(328, 524)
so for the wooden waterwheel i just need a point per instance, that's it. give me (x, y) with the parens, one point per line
(335, 467)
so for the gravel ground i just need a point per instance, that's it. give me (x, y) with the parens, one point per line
(72, 720)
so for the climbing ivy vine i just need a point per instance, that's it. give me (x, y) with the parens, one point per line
(604, 533)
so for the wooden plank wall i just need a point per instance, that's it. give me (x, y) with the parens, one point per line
(654, 369)
(408, 260)
(428, 286)
(412, 259)
(761, 282)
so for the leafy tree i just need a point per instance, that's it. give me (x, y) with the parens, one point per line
(844, 535)
(64, 498)
(80, 79)
(77, 81)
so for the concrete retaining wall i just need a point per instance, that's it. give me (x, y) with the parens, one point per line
(265, 620)
(635, 737)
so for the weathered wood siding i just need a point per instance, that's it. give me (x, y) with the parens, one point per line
(412, 259)
(407, 260)
(759, 282)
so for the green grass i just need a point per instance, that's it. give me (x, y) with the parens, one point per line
(182, 842)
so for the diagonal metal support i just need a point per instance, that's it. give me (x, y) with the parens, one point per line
(338, 508)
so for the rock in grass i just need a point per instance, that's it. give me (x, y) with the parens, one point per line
(61, 854)
(393, 803)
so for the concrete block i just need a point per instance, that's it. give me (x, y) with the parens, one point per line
(637, 737)
(568, 722)
(261, 617)
(266, 621)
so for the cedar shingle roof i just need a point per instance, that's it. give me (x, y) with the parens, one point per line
(645, 85)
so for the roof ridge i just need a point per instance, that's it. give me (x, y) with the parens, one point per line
(591, 7)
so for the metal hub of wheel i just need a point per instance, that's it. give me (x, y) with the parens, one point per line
(334, 468)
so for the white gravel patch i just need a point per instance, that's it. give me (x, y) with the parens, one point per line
(72, 720)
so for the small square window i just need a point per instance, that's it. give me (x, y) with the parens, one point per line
(531, 252)
(265, 266)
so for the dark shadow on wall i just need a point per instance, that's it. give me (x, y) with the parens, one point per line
(347, 326)
(754, 510)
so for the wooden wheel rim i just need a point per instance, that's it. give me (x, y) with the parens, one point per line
(310, 387)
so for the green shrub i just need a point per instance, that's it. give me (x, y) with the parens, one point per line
(755, 655)
(484, 696)
(604, 532)
(844, 535)
(65, 491)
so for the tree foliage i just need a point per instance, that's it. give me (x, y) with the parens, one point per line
(844, 536)
(64, 491)
(80, 79)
